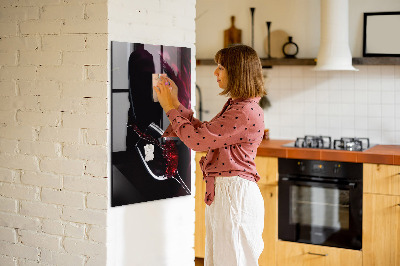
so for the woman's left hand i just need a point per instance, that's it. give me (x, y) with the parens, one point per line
(163, 90)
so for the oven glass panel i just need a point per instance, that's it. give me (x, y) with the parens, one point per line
(324, 211)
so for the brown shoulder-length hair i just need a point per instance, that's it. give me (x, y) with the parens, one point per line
(245, 78)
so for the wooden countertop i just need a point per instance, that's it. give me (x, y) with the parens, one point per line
(379, 154)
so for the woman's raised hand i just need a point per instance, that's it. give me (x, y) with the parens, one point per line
(165, 93)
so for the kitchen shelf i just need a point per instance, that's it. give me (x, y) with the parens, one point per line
(312, 61)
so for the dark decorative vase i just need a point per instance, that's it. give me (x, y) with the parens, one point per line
(290, 49)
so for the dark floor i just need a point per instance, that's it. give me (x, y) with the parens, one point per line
(198, 262)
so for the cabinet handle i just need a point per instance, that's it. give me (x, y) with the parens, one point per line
(318, 254)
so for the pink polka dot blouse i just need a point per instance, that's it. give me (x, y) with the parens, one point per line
(231, 139)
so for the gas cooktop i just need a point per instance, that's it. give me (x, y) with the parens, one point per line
(325, 142)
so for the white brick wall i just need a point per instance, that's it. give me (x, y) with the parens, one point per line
(53, 121)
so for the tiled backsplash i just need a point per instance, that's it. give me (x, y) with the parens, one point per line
(333, 103)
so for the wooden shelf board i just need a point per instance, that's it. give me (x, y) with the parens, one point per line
(265, 62)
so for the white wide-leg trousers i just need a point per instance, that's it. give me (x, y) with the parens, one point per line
(234, 223)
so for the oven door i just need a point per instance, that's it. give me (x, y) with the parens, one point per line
(321, 212)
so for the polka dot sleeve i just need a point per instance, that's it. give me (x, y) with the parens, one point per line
(225, 130)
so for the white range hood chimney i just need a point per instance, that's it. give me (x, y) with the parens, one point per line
(334, 51)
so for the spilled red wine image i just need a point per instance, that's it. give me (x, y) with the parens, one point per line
(147, 164)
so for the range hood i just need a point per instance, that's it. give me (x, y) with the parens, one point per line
(334, 51)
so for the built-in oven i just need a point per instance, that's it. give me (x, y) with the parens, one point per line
(320, 202)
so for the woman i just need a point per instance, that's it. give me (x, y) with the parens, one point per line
(235, 207)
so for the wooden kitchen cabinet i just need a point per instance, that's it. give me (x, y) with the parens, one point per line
(298, 254)
(200, 207)
(381, 179)
(270, 233)
(267, 168)
(381, 230)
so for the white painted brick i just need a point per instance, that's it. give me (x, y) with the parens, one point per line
(40, 148)
(40, 27)
(97, 11)
(75, 230)
(8, 234)
(41, 179)
(7, 117)
(97, 234)
(7, 88)
(85, 152)
(60, 73)
(85, 26)
(19, 250)
(98, 260)
(35, 239)
(62, 166)
(63, 197)
(8, 146)
(87, 57)
(19, 221)
(39, 118)
(98, 73)
(7, 175)
(8, 58)
(84, 247)
(21, 102)
(87, 88)
(40, 58)
(96, 185)
(97, 42)
(18, 161)
(74, 104)
(93, 1)
(19, 13)
(8, 205)
(17, 191)
(96, 168)
(8, 261)
(84, 120)
(94, 201)
(39, 87)
(53, 227)
(96, 136)
(92, 105)
(19, 43)
(25, 262)
(84, 216)
(67, 42)
(38, 209)
(18, 72)
(72, 11)
(61, 259)
(59, 134)
(17, 132)
(33, 2)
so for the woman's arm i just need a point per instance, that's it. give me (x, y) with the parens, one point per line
(228, 129)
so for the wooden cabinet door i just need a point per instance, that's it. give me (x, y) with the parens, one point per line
(381, 179)
(381, 230)
(298, 254)
(270, 233)
(200, 207)
(267, 168)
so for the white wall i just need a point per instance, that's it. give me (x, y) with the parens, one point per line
(159, 232)
(338, 104)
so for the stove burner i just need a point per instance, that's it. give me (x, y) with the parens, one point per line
(322, 142)
(351, 144)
